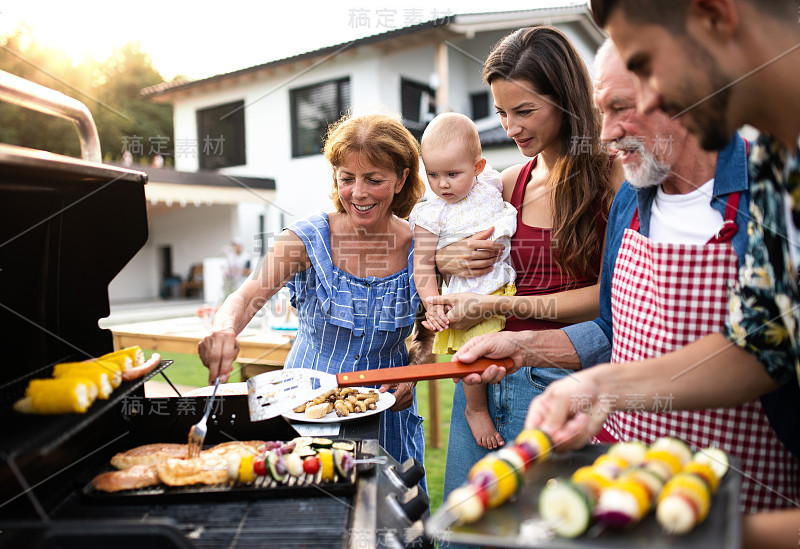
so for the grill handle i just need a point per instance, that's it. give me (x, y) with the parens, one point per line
(30, 95)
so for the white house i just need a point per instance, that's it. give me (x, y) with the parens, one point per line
(266, 122)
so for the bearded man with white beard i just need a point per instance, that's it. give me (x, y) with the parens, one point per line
(677, 233)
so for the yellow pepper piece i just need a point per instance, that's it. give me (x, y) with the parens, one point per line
(592, 478)
(607, 461)
(704, 471)
(503, 479)
(673, 463)
(326, 464)
(507, 482)
(692, 487)
(246, 472)
(638, 491)
(539, 439)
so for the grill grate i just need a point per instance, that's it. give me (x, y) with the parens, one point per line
(319, 522)
(262, 487)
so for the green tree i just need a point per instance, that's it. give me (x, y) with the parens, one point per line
(110, 89)
(22, 57)
(122, 114)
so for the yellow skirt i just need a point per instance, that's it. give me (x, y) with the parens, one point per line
(448, 341)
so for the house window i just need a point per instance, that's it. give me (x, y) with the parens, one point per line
(418, 103)
(220, 136)
(313, 109)
(480, 102)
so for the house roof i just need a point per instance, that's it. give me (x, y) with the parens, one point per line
(170, 186)
(495, 136)
(205, 178)
(171, 87)
(465, 24)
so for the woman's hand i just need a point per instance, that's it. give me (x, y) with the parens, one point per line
(218, 350)
(465, 309)
(403, 393)
(473, 256)
(436, 318)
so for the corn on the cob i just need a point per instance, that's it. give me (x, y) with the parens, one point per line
(55, 396)
(100, 376)
(126, 359)
(112, 369)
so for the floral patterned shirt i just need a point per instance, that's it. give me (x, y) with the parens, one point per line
(765, 301)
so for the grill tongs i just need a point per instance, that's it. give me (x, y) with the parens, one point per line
(197, 434)
(274, 393)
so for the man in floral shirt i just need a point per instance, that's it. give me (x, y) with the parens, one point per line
(764, 316)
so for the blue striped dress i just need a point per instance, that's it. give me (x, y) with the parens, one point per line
(348, 323)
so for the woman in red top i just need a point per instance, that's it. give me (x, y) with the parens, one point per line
(543, 95)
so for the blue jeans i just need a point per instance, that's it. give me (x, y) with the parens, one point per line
(508, 405)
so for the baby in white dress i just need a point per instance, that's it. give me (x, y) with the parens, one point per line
(468, 200)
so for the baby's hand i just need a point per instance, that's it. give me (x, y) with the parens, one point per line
(436, 318)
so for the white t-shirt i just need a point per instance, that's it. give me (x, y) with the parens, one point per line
(685, 218)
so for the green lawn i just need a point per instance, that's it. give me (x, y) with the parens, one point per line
(435, 457)
(188, 370)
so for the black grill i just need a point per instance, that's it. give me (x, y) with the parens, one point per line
(67, 228)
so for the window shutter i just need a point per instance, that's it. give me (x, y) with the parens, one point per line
(314, 108)
(220, 136)
(417, 101)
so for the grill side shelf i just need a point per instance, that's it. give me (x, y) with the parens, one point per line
(41, 434)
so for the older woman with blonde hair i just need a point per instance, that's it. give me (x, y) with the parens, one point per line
(349, 273)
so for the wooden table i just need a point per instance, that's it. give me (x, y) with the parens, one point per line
(258, 350)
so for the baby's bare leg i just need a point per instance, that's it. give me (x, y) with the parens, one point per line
(478, 418)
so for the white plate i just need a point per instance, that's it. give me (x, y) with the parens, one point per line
(385, 401)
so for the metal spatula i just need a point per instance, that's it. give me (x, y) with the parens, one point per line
(274, 393)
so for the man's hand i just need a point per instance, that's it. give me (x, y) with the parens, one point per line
(473, 256)
(571, 410)
(403, 393)
(497, 345)
(218, 350)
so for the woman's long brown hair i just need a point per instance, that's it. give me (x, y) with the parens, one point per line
(546, 60)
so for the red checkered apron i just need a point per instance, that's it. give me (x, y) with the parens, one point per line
(665, 296)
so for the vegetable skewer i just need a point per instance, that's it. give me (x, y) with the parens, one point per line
(686, 499)
(496, 477)
(568, 505)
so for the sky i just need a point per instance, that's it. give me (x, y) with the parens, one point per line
(202, 38)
